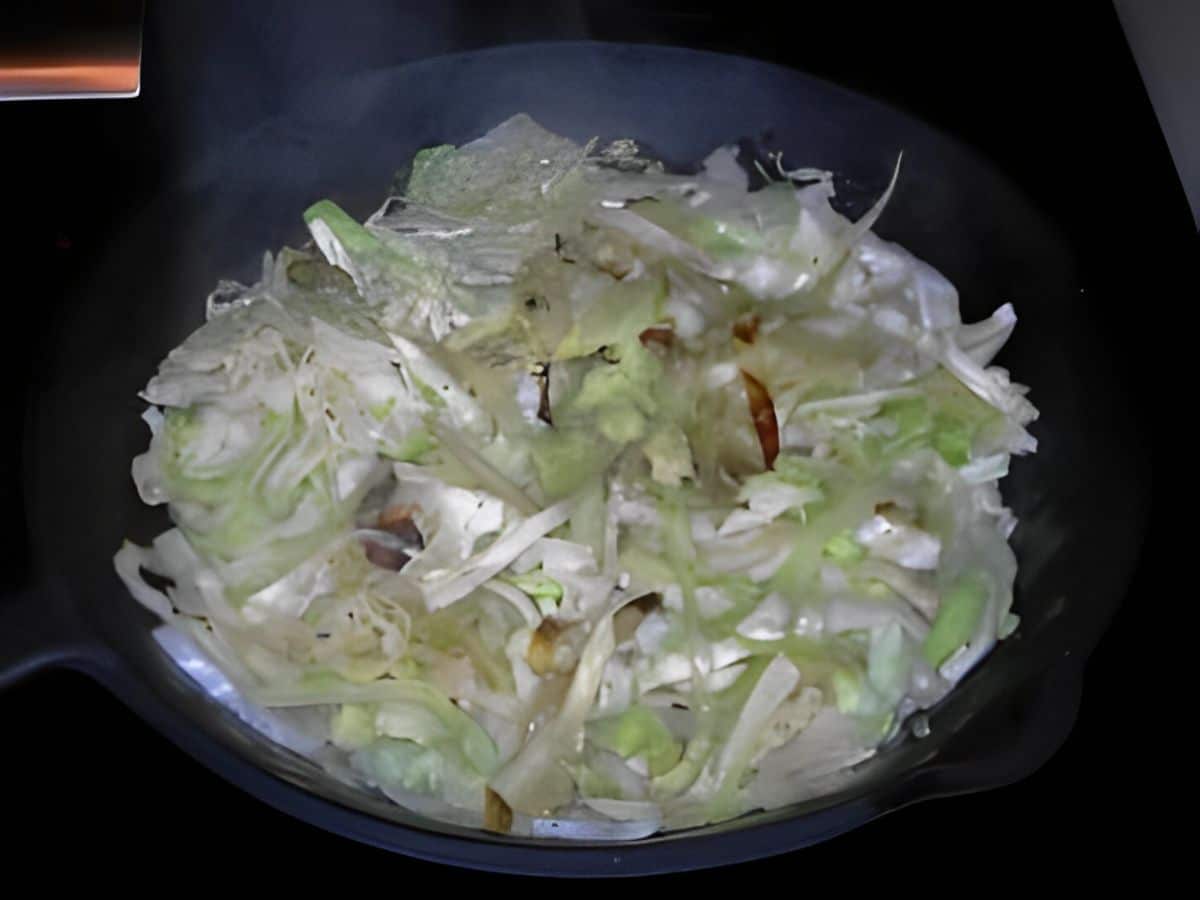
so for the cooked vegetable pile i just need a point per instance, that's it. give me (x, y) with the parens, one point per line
(568, 487)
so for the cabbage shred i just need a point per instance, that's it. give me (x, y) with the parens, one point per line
(568, 487)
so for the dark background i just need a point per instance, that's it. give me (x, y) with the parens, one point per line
(1054, 100)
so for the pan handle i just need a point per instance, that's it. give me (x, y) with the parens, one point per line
(1017, 749)
(35, 634)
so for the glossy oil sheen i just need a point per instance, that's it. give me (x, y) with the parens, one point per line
(344, 141)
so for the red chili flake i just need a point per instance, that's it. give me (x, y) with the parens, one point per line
(497, 815)
(762, 410)
(657, 334)
(398, 520)
(386, 557)
(745, 328)
(543, 379)
(395, 520)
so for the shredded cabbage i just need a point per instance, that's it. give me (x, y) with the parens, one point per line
(566, 495)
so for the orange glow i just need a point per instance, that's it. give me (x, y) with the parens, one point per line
(70, 76)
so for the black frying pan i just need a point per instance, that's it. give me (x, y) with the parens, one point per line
(343, 141)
